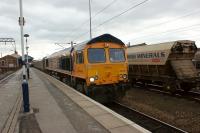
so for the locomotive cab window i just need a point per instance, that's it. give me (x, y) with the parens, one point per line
(117, 55)
(96, 55)
(79, 57)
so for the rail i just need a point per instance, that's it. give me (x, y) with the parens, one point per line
(148, 122)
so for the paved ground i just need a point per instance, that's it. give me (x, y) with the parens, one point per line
(10, 89)
(55, 108)
(54, 111)
(29, 124)
(112, 121)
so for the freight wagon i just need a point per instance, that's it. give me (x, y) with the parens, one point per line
(168, 64)
(196, 60)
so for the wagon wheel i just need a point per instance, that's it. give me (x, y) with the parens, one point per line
(170, 87)
(186, 87)
(133, 83)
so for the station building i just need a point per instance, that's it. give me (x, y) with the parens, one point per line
(10, 62)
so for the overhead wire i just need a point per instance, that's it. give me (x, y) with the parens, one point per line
(192, 37)
(96, 14)
(152, 26)
(116, 16)
(110, 4)
(168, 31)
(169, 21)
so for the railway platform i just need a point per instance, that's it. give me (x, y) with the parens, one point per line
(10, 101)
(56, 107)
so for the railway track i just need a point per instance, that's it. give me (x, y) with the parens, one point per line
(6, 77)
(190, 95)
(148, 122)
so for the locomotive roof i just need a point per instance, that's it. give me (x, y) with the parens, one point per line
(105, 38)
(101, 38)
(80, 46)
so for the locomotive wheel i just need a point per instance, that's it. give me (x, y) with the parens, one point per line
(121, 90)
(143, 85)
(86, 89)
(79, 87)
(73, 83)
(186, 87)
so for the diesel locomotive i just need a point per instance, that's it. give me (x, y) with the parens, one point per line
(99, 62)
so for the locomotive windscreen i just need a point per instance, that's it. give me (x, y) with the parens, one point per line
(117, 55)
(96, 55)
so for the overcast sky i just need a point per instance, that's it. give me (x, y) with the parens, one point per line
(50, 21)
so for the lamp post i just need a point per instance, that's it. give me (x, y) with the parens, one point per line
(27, 62)
(24, 83)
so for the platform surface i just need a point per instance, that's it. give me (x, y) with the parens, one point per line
(56, 112)
(10, 91)
(56, 108)
(63, 109)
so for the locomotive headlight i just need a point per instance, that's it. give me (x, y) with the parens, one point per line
(125, 76)
(91, 79)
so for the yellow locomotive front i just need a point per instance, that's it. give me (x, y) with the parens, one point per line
(106, 64)
(100, 63)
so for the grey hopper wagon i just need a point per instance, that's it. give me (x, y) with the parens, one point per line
(168, 64)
